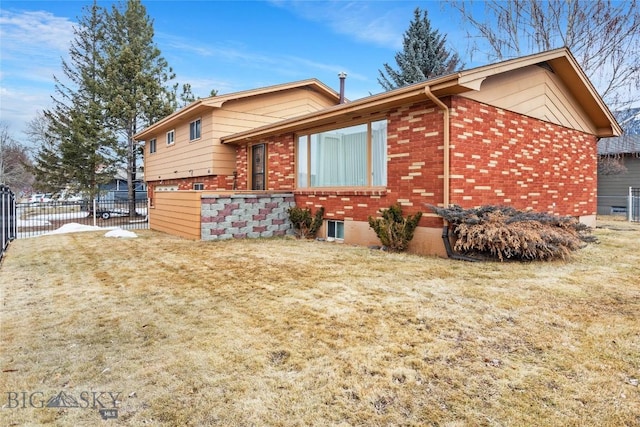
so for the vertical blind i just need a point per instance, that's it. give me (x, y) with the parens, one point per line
(340, 158)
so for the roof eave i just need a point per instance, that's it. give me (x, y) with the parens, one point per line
(218, 101)
(176, 115)
(443, 86)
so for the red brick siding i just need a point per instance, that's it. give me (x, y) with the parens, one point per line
(497, 157)
(281, 165)
(503, 158)
(241, 166)
(414, 169)
(211, 182)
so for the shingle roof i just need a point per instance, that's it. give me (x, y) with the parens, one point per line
(625, 144)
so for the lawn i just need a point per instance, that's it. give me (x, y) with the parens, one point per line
(281, 332)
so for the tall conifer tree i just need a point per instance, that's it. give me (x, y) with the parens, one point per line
(78, 150)
(137, 77)
(424, 56)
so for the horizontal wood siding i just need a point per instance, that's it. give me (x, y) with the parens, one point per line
(535, 92)
(183, 158)
(207, 155)
(176, 213)
(294, 103)
(613, 190)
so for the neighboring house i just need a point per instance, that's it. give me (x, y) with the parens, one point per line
(521, 132)
(117, 190)
(621, 159)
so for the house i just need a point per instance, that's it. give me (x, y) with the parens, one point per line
(117, 190)
(619, 171)
(522, 132)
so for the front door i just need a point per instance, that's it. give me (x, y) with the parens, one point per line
(258, 167)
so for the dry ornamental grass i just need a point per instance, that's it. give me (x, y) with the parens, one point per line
(303, 333)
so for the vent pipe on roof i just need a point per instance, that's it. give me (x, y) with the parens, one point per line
(342, 77)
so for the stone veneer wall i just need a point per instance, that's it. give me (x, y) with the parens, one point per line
(228, 216)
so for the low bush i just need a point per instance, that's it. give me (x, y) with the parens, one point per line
(305, 225)
(503, 232)
(395, 231)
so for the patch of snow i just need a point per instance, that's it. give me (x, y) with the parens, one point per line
(74, 227)
(118, 232)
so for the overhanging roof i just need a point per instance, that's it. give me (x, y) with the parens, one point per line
(219, 100)
(625, 144)
(561, 62)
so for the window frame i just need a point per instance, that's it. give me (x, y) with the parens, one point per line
(335, 230)
(153, 146)
(198, 184)
(195, 125)
(172, 132)
(306, 163)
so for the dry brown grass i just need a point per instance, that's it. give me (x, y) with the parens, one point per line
(297, 333)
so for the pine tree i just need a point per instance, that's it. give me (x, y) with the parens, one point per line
(78, 152)
(137, 77)
(424, 56)
(47, 167)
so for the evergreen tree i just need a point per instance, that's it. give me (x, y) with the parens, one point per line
(137, 77)
(186, 97)
(424, 56)
(47, 167)
(78, 151)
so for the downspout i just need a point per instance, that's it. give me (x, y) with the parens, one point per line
(447, 143)
(446, 175)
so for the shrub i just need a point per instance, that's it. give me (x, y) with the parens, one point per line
(304, 224)
(503, 232)
(394, 231)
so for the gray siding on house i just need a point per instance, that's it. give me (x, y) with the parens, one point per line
(613, 190)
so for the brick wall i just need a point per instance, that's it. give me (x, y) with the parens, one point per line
(497, 157)
(245, 215)
(211, 183)
(414, 170)
(500, 157)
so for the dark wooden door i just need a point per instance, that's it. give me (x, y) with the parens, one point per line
(258, 167)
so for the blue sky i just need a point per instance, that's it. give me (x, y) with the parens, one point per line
(223, 45)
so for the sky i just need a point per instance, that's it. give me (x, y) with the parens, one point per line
(224, 45)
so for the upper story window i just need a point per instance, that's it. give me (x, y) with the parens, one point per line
(195, 128)
(171, 137)
(355, 156)
(152, 146)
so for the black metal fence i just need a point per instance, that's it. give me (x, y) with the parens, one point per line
(7, 217)
(40, 218)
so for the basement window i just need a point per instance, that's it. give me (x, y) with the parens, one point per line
(335, 230)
